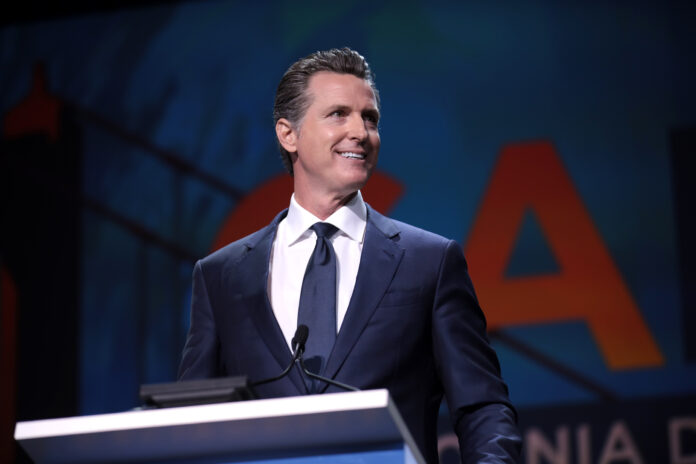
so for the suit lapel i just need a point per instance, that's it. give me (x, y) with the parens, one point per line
(256, 263)
(380, 259)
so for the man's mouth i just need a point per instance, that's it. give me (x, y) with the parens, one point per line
(352, 155)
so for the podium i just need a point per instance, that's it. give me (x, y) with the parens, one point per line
(354, 427)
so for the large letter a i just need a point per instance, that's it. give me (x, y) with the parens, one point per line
(588, 286)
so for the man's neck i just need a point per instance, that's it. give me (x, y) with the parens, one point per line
(322, 207)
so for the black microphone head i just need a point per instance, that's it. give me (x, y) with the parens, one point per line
(300, 338)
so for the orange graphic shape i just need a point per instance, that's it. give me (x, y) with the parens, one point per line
(258, 209)
(588, 287)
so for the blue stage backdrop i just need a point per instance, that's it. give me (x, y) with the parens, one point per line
(554, 140)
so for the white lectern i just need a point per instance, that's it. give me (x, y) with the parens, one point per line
(361, 427)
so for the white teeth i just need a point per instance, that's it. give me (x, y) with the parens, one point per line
(352, 155)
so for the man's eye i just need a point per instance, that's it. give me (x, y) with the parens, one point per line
(338, 113)
(372, 119)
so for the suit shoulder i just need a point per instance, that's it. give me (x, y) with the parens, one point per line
(420, 234)
(231, 250)
(234, 251)
(408, 234)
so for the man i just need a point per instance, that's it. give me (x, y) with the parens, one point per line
(402, 313)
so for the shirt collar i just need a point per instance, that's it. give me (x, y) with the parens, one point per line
(350, 219)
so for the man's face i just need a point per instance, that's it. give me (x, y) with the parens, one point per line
(337, 143)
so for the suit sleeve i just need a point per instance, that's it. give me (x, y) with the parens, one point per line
(200, 356)
(483, 417)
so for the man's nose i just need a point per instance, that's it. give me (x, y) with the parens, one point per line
(356, 128)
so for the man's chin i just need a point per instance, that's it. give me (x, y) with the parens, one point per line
(357, 183)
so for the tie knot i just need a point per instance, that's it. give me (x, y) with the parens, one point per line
(324, 229)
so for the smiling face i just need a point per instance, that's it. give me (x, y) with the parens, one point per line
(336, 145)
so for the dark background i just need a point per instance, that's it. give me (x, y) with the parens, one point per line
(137, 137)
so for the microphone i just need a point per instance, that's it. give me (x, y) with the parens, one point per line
(301, 336)
(298, 344)
(299, 340)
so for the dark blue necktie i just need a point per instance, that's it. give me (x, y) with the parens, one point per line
(318, 302)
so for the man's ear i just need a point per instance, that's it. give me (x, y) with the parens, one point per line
(287, 136)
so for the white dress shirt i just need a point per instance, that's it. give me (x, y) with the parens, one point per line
(293, 245)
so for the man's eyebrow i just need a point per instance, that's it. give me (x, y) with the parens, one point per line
(337, 106)
(374, 112)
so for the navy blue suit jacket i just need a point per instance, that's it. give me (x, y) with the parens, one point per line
(413, 326)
